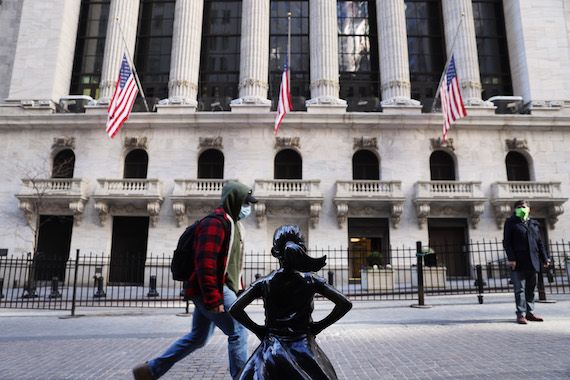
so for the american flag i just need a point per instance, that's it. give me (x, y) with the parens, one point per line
(452, 105)
(284, 104)
(122, 100)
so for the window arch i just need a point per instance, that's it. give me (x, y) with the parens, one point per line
(517, 167)
(288, 165)
(365, 165)
(63, 164)
(136, 164)
(442, 166)
(211, 164)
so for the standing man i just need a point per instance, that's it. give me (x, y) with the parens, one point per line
(213, 285)
(525, 253)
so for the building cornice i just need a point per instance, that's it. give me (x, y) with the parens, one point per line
(297, 120)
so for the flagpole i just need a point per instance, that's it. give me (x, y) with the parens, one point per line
(289, 45)
(447, 63)
(131, 62)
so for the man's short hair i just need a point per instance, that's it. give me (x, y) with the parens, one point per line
(520, 203)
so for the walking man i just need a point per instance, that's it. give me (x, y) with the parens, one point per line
(213, 285)
(525, 254)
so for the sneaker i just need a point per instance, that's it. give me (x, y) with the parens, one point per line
(521, 320)
(143, 372)
(534, 318)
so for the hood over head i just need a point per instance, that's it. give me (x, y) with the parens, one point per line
(234, 194)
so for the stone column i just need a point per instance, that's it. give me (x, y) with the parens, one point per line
(43, 54)
(185, 59)
(125, 12)
(324, 58)
(393, 54)
(254, 54)
(465, 48)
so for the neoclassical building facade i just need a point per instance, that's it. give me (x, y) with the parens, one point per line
(359, 162)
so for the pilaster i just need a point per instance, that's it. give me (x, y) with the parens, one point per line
(123, 19)
(185, 61)
(254, 65)
(393, 52)
(324, 59)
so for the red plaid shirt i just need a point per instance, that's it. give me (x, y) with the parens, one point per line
(211, 247)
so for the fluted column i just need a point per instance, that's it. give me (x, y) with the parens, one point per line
(126, 13)
(324, 58)
(254, 53)
(465, 48)
(185, 59)
(393, 53)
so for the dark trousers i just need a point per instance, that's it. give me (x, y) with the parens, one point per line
(524, 283)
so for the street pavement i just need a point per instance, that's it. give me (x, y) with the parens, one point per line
(454, 339)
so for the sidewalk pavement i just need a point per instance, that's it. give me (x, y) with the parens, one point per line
(455, 339)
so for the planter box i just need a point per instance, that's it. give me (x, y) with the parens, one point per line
(434, 277)
(377, 279)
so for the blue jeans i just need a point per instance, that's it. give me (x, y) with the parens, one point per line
(524, 283)
(203, 323)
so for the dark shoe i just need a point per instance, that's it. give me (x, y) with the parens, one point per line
(534, 318)
(143, 372)
(521, 320)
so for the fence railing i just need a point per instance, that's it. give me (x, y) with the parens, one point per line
(98, 280)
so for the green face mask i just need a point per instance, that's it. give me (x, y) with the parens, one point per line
(522, 212)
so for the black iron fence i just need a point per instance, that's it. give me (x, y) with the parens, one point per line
(89, 280)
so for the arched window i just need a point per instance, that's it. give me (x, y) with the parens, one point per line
(63, 164)
(365, 165)
(288, 165)
(442, 167)
(211, 164)
(517, 167)
(136, 164)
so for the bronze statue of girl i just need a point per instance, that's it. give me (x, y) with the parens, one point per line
(288, 349)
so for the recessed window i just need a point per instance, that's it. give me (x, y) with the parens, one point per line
(299, 64)
(220, 55)
(153, 49)
(63, 164)
(517, 167)
(136, 164)
(211, 164)
(89, 48)
(358, 55)
(288, 165)
(492, 49)
(365, 165)
(442, 167)
(426, 48)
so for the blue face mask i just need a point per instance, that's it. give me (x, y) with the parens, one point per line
(245, 211)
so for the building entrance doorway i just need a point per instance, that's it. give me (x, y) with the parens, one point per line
(447, 238)
(54, 241)
(366, 235)
(128, 250)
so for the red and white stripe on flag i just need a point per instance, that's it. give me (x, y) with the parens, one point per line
(452, 105)
(284, 104)
(123, 99)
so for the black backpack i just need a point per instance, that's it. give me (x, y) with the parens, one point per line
(182, 264)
